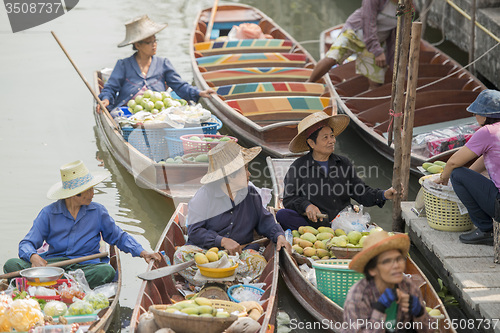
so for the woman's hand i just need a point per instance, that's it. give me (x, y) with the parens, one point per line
(403, 300)
(37, 261)
(148, 256)
(231, 246)
(207, 93)
(105, 102)
(282, 242)
(312, 213)
(380, 60)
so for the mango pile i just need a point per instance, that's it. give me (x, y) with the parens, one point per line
(199, 307)
(435, 167)
(210, 255)
(317, 243)
(200, 158)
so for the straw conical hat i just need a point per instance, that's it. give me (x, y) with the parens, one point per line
(75, 179)
(312, 123)
(140, 28)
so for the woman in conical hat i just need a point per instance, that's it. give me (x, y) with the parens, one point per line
(73, 227)
(144, 70)
(322, 182)
(481, 195)
(385, 295)
(225, 212)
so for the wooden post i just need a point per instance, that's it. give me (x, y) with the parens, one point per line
(472, 47)
(411, 92)
(404, 23)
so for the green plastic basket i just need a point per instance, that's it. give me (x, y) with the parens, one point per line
(334, 278)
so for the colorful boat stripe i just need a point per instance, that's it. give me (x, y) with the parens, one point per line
(245, 43)
(263, 87)
(257, 71)
(242, 58)
(266, 104)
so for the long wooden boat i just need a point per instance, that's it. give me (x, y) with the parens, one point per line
(260, 83)
(177, 181)
(106, 315)
(163, 290)
(438, 106)
(319, 306)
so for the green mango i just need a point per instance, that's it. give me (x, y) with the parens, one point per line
(440, 163)
(426, 165)
(435, 169)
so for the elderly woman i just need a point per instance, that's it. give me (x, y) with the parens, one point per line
(73, 227)
(322, 182)
(481, 195)
(144, 70)
(385, 295)
(226, 211)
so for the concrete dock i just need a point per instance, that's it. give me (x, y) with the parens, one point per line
(468, 271)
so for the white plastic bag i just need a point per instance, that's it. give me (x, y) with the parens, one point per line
(350, 220)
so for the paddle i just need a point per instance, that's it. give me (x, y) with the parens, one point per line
(103, 108)
(168, 270)
(211, 21)
(60, 263)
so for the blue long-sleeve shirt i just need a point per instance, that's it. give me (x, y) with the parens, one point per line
(212, 217)
(72, 238)
(127, 80)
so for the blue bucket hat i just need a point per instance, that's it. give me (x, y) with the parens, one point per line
(487, 104)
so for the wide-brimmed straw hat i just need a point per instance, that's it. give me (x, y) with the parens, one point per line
(377, 243)
(487, 104)
(312, 123)
(140, 28)
(226, 158)
(75, 179)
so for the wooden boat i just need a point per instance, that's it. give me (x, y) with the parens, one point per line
(260, 83)
(177, 181)
(319, 306)
(106, 315)
(439, 105)
(163, 290)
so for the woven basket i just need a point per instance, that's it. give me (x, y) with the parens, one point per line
(189, 324)
(344, 252)
(334, 279)
(200, 146)
(444, 214)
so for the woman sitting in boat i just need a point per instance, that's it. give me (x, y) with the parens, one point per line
(322, 182)
(385, 295)
(370, 33)
(478, 193)
(73, 227)
(143, 70)
(226, 211)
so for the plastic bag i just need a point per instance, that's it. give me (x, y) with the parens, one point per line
(350, 220)
(80, 307)
(97, 300)
(78, 276)
(55, 309)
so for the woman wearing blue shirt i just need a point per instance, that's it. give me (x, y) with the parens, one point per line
(73, 227)
(144, 70)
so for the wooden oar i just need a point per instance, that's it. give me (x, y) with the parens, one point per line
(211, 21)
(60, 263)
(103, 108)
(169, 270)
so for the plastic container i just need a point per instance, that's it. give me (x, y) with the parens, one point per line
(334, 278)
(217, 272)
(257, 292)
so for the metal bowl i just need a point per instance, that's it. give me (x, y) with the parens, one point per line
(42, 274)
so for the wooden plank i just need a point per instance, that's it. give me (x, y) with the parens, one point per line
(237, 60)
(456, 265)
(482, 279)
(491, 310)
(475, 296)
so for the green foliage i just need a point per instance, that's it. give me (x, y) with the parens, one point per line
(445, 295)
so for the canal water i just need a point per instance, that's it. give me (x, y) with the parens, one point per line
(46, 116)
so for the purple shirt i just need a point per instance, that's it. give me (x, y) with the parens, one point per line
(486, 142)
(365, 18)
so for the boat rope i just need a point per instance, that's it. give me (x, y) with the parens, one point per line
(392, 116)
(430, 83)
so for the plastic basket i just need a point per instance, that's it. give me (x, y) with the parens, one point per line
(201, 146)
(175, 147)
(150, 142)
(257, 292)
(209, 127)
(334, 279)
(443, 214)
